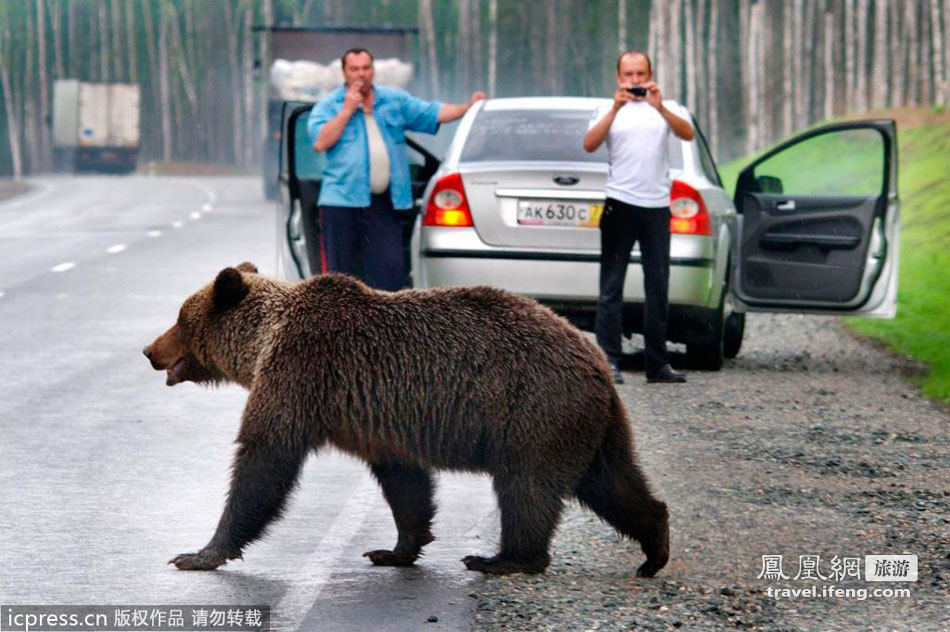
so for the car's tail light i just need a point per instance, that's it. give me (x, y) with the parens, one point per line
(688, 214)
(447, 205)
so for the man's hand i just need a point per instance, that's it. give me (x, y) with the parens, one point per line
(654, 97)
(353, 100)
(622, 97)
(476, 97)
(451, 112)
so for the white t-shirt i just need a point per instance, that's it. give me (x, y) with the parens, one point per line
(638, 154)
(378, 157)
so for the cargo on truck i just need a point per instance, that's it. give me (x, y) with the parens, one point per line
(95, 126)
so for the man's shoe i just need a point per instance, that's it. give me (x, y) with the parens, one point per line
(666, 375)
(615, 371)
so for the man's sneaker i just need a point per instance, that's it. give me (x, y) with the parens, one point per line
(615, 371)
(665, 375)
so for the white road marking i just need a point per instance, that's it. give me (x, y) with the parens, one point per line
(63, 267)
(2, 294)
(320, 564)
(206, 207)
(154, 233)
(116, 249)
(195, 215)
(178, 224)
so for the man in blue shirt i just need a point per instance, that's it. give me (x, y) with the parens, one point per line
(366, 179)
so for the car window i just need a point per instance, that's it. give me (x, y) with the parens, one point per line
(555, 135)
(308, 164)
(839, 162)
(706, 159)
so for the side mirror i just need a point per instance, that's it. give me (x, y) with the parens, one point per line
(768, 184)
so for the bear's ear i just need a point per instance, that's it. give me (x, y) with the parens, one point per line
(229, 289)
(247, 266)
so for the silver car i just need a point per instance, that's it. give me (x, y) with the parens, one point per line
(812, 228)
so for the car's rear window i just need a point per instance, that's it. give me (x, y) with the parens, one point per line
(517, 135)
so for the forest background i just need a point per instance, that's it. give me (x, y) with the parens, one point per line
(751, 71)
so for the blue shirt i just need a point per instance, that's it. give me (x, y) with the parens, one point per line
(346, 174)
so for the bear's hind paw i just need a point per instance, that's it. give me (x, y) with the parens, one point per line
(382, 557)
(203, 560)
(498, 566)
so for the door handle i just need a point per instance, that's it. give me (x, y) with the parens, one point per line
(785, 206)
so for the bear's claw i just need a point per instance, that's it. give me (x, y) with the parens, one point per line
(382, 557)
(203, 560)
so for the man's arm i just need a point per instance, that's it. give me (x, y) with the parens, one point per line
(331, 131)
(451, 112)
(680, 127)
(597, 134)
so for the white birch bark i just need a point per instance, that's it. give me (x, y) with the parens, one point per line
(674, 72)
(923, 60)
(163, 88)
(791, 64)
(71, 34)
(895, 59)
(861, 80)
(879, 68)
(653, 35)
(849, 83)
(912, 44)
(807, 35)
(621, 26)
(689, 19)
(13, 131)
(713, 73)
(250, 132)
(700, 69)
(237, 133)
(829, 106)
(103, 41)
(940, 93)
(45, 135)
(428, 29)
(29, 99)
(476, 29)
(745, 65)
(492, 46)
(117, 55)
(463, 43)
(754, 114)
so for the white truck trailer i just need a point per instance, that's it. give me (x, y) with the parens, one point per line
(95, 126)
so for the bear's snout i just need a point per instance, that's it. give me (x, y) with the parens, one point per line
(167, 352)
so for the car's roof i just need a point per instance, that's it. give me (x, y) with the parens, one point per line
(545, 103)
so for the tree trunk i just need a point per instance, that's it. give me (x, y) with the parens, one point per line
(492, 46)
(477, 44)
(913, 52)
(792, 66)
(56, 20)
(130, 41)
(754, 115)
(690, 19)
(802, 52)
(45, 136)
(745, 64)
(13, 131)
(29, 98)
(829, 109)
(463, 57)
(71, 34)
(653, 36)
(163, 88)
(879, 72)
(861, 81)
(937, 48)
(621, 26)
(674, 73)
(103, 41)
(713, 70)
(428, 29)
(895, 59)
(117, 54)
(250, 130)
(924, 58)
(551, 61)
(237, 132)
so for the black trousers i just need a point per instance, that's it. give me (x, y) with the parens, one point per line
(620, 226)
(364, 242)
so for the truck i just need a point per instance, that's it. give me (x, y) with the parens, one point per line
(95, 126)
(304, 65)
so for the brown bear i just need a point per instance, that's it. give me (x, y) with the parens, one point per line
(470, 379)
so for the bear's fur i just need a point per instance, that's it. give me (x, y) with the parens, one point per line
(473, 379)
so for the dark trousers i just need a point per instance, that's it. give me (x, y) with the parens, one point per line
(364, 242)
(620, 226)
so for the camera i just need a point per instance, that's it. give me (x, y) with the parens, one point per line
(637, 91)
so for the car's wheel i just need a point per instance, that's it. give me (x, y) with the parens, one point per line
(734, 329)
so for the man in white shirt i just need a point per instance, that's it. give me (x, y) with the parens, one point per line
(636, 127)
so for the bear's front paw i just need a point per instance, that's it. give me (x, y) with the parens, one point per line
(383, 557)
(203, 560)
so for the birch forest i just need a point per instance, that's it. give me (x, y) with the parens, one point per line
(751, 71)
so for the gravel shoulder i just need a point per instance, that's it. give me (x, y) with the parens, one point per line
(812, 442)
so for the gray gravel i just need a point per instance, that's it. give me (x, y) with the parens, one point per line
(811, 442)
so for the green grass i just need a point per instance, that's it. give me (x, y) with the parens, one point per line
(922, 326)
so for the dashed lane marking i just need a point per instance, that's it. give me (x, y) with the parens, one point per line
(206, 207)
(154, 233)
(68, 265)
(195, 215)
(112, 250)
(178, 224)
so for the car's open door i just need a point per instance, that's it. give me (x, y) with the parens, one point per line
(301, 170)
(820, 220)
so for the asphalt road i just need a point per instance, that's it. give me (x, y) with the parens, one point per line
(106, 473)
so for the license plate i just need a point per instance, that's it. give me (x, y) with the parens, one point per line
(559, 213)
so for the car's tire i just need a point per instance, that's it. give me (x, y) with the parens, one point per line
(734, 330)
(708, 354)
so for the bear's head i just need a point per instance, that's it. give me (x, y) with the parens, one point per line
(214, 338)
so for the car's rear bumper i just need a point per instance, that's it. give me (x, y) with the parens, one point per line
(553, 277)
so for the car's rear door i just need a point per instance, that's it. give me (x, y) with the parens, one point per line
(820, 223)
